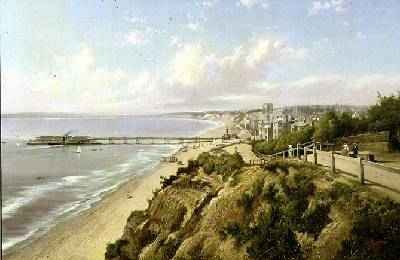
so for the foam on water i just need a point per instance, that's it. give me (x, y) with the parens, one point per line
(31, 193)
(78, 191)
(7, 243)
(90, 189)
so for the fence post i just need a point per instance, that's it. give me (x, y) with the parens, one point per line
(283, 155)
(298, 151)
(315, 154)
(305, 154)
(333, 162)
(362, 181)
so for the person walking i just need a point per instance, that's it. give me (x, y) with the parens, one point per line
(355, 150)
(346, 149)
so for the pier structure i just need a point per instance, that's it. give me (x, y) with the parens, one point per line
(150, 140)
(114, 140)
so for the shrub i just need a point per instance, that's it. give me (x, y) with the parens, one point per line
(167, 249)
(339, 190)
(113, 249)
(224, 163)
(375, 233)
(315, 218)
(204, 157)
(167, 181)
(276, 166)
(136, 217)
(246, 200)
(208, 167)
(270, 238)
(270, 193)
(282, 142)
(235, 230)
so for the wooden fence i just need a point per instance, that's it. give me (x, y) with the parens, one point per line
(365, 171)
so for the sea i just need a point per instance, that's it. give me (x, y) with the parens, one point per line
(42, 185)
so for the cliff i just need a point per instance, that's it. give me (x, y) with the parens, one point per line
(218, 208)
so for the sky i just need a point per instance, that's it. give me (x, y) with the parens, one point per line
(151, 56)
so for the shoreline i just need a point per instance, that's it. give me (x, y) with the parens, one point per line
(85, 236)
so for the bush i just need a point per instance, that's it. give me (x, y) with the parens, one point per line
(270, 238)
(281, 143)
(333, 125)
(224, 163)
(247, 198)
(375, 233)
(113, 249)
(270, 193)
(167, 181)
(235, 230)
(315, 218)
(193, 166)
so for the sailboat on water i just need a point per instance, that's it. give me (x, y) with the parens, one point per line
(78, 150)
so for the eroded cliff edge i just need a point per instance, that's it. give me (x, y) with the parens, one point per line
(219, 208)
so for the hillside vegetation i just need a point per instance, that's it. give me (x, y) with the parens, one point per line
(339, 128)
(218, 208)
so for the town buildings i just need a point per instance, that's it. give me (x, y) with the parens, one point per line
(269, 122)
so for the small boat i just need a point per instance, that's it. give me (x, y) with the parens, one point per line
(78, 150)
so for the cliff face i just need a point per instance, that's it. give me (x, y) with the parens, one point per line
(285, 211)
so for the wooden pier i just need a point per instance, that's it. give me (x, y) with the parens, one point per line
(137, 140)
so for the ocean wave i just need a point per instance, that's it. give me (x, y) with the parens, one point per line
(7, 243)
(41, 147)
(32, 193)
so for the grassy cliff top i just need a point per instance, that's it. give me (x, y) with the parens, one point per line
(219, 208)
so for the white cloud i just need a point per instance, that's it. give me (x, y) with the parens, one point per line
(253, 3)
(195, 78)
(361, 36)
(78, 84)
(336, 89)
(136, 20)
(338, 6)
(193, 26)
(136, 37)
(188, 65)
(200, 76)
(141, 32)
(175, 41)
(209, 3)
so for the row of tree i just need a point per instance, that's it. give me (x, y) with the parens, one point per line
(383, 116)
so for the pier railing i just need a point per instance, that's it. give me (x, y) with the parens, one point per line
(87, 140)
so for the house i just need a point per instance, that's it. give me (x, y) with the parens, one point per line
(298, 126)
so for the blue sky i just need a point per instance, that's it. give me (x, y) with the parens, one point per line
(153, 56)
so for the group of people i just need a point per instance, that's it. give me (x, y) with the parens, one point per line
(354, 150)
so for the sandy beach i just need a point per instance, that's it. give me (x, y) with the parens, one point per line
(86, 236)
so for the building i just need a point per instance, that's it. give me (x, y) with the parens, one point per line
(269, 122)
(298, 126)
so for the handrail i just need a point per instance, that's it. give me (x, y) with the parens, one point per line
(286, 151)
(383, 167)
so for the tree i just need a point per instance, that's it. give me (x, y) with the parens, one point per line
(326, 127)
(385, 116)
